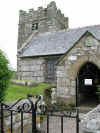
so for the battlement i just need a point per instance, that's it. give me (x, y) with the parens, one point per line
(34, 15)
(41, 20)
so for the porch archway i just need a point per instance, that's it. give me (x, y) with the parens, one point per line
(88, 79)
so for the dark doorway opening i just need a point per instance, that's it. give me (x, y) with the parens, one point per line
(88, 79)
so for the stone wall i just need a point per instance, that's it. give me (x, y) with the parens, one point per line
(48, 19)
(50, 68)
(27, 122)
(31, 69)
(37, 69)
(87, 49)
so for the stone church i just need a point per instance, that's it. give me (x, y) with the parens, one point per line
(49, 51)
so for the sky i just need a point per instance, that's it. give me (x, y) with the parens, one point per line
(80, 13)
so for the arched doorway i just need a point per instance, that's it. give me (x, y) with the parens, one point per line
(88, 79)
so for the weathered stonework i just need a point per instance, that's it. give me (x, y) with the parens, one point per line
(85, 50)
(17, 123)
(49, 19)
(32, 69)
(52, 52)
(36, 69)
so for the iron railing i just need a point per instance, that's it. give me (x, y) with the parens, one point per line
(29, 106)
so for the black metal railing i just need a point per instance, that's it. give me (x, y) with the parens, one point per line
(29, 106)
(61, 124)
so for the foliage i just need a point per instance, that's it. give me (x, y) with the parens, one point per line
(15, 92)
(98, 88)
(5, 75)
(13, 74)
(98, 91)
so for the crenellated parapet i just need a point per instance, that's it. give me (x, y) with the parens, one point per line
(39, 21)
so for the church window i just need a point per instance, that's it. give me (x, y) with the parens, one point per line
(50, 69)
(34, 26)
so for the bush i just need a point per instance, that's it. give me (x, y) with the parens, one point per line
(5, 75)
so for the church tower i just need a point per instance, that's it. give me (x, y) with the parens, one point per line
(43, 20)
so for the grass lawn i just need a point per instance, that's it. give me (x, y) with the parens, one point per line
(15, 92)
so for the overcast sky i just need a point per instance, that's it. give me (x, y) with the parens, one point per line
(80, 13)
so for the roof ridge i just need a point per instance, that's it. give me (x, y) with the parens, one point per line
(88, 26)
(60, 42)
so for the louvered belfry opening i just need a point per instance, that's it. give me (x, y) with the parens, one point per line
(88, 80)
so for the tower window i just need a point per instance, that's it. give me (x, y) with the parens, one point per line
(34, 26)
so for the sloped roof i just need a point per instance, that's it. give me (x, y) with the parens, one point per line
(57, 42)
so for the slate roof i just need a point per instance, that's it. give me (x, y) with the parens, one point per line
(57, 42)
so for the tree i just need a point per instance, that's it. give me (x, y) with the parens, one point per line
(5, 75)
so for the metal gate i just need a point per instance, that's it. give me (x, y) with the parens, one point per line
(30, 108)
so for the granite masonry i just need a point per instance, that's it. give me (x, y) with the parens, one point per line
(49, 51)
(85, 50)
(31, 24)
(40, 21)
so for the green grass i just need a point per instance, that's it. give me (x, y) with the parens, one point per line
(15, 92)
